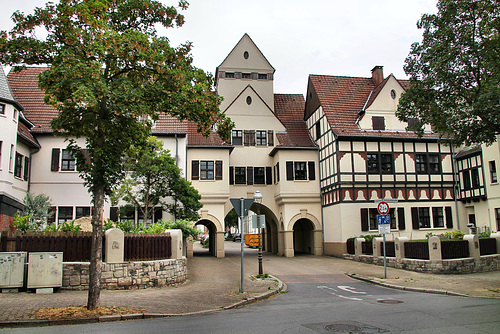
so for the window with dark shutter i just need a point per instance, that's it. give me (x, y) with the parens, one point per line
(54, 167)
(52, 215)
(195, 170)
(289, 170)
(249, 176)
(449, 217)
(378, 122)
(364, 220)
(259, 175)
(311, 170)
(414, 218)
(231, 175)
(27, 168)
(270, 137)
(249, 137)
(278, 171)
(401, 219)
(218, 170)
(113, 213)
(269, 175)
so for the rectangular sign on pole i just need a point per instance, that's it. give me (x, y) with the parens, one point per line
(384, 224)
(256, 220)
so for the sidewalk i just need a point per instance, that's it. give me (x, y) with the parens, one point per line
(213, 284)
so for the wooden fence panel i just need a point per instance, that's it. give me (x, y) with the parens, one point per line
(417, 250)
(454, 249)
(487, 246)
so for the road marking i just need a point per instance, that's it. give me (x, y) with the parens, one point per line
(350, 289)
(350, 298)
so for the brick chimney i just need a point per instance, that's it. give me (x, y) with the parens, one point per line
(378, 74)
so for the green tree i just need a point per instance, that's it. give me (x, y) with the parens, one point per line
(37, 207)
(155, 180)
(109, 68)
(455, 72)
(231, 219)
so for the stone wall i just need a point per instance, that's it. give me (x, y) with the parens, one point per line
(454, 266)
(128, 275)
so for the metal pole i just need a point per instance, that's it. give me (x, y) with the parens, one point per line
(242, 213)
(385, 263)
(261, 271)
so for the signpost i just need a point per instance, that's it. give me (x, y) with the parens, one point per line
(384, 226)
(241, 206)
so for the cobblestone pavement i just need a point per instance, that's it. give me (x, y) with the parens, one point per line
(214, 283)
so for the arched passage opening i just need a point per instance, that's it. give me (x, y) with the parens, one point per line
(270, 232)
(210, 226)
(303, 237)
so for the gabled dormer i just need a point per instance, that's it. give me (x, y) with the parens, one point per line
(378, 113)
(245, 65)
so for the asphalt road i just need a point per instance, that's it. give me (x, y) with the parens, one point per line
(318, 300)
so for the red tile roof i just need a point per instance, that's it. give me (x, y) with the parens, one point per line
(289, 109)
(196, 139)
(24, 133)
(342, 98)
(24, 86)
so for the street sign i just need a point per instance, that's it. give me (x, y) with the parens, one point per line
(247, 203)
(387, 200)
(383, 208)
(255, 221)
(384, 224)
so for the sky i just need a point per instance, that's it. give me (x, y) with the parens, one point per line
(298, 38)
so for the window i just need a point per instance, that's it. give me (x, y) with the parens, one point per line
(424, 218)
(240, 175)
(27, 167)
(261, 137)
(245, 75)
(421, 217)
(413, 122)
(493, 171)
(249, 100)
(318, 130)
(249, 138)
(206, 170)
(262, 76)
(230, 75)
(300, 170)
(378, 163)
(466, 179)
(237, 137)
(245, 55)
(82, 211)
(259, 176)
(2, 109)
(427, 163)
(19, 165)
(438, 217)
(67, 161)
(474, 172)
(497, 216)
(393, 94)
(65, 213)
(378, 123)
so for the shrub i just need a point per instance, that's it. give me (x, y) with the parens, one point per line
(370, 237)
(485, 234)
(23, 223)
(70, 227)
(52, 228)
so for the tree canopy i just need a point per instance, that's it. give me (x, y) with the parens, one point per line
(108, 68)
(155, 180)
(455, 72)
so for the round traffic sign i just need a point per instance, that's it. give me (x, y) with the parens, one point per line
(383, 208)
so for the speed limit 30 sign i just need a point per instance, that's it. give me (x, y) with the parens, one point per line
(383, 208)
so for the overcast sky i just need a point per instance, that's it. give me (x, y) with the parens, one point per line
(298, 38)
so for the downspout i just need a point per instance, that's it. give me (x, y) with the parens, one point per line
(454, 184)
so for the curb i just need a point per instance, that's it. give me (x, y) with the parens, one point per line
(406, 288)
(111, 318)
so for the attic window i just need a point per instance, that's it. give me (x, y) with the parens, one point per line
(393, 94)
(249, 100)
(378, 122)
(245, 55)
(262, 76)
(245, 75)
(229, 75)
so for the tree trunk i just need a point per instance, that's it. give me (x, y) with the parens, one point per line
(95, 269)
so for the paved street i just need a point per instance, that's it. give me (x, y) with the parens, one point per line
(320, 298)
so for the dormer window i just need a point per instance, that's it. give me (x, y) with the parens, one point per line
(378, 123)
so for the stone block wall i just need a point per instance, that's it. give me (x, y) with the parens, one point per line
(127, 275)
(454, 266)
